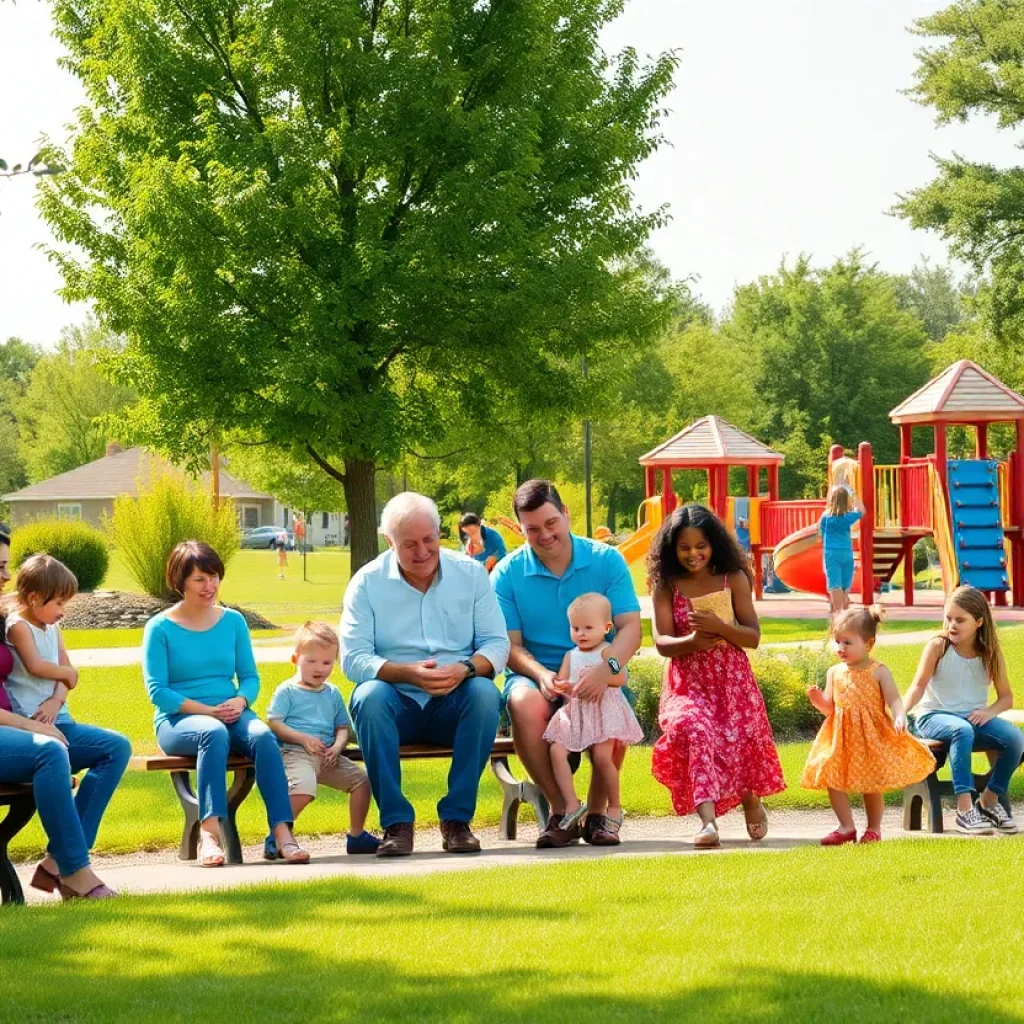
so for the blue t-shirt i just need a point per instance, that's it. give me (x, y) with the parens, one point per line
(494, 546)
(535, 602)
(835, 532)
(317, 713)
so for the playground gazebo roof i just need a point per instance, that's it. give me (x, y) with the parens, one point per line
(711, 441)
(963, 393)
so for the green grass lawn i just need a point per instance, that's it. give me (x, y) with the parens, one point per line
(251, 581)
(144, 813)
(777, 631)
(79, 639)
(811, 935)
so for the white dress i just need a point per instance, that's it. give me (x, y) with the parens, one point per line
(578, 724)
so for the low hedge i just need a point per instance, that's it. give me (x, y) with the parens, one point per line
(79, 546)
(782, 677)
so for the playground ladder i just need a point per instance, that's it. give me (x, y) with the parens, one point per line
(978, 540)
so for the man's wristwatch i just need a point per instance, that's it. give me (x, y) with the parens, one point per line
(614, 665)
(470, 668)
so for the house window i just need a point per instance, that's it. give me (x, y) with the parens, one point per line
(69, 511)
(249, 516)
(326, 521)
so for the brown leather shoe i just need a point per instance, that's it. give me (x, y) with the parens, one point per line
(397, 841)
(457, 838)
(554, 836)
(600, 830)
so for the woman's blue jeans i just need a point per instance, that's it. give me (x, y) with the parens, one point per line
(209, 741)
(70, 821)
(959, 735)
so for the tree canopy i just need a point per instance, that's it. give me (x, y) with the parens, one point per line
(337, 225)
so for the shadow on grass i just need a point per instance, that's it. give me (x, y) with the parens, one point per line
(278, 955)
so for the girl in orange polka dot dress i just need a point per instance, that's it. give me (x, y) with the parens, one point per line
(860, 749)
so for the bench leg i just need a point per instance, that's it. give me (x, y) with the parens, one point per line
(190, 806)
(514, 794)
(19, 814)
(241, 787)
(913, 804)
(935, 790)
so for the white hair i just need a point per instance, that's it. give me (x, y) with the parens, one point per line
(402, 507)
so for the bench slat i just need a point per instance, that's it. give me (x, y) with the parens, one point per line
(16, 790)
(503, 747)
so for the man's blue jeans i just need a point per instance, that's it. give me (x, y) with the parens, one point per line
(70, 822)
(209, 741)
(959, 735)
(465, 720)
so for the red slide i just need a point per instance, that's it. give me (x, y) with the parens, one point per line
(798, 562)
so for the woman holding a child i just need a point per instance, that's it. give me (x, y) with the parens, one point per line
(201, 675)
(40, 743)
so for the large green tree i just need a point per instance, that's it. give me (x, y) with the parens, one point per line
(974, 67)
(336, 223)
(64, 413)
(17, 358)
(831, 351)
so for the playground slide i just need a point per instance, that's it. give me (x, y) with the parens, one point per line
(638, 543)
(798, 562)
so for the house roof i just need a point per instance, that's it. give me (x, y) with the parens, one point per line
(711, 441)
(962, 393)
(118, 474)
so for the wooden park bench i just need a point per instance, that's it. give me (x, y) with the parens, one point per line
(514, 792)
(21, 805)
(926, 796)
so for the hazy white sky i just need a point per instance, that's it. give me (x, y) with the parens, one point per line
(788, 134)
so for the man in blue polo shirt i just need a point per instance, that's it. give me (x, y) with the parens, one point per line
(535, 586)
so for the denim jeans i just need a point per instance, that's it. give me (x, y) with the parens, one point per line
(959, 735)
(466, 719)
(70, 823)
(209, 741)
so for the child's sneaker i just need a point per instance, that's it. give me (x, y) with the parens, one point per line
(270, 848)
(365, 842)
(838, 837)
(707, 838)
(974, 823)
(997, 815)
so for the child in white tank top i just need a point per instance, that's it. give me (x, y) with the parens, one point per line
(948, 701)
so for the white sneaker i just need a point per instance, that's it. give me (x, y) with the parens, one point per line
(707, 838)
(973, 823)
(998, 816)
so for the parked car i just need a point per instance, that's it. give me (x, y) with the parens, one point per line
(266, 537)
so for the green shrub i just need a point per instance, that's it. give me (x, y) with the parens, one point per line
(782, 677)
(79, 546)
(170, 508)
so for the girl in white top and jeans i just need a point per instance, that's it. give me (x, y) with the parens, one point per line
(949, 702)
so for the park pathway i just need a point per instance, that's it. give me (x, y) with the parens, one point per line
(162, 872)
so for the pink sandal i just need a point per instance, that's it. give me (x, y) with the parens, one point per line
(97, 892)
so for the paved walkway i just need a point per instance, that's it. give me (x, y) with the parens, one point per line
(162, 872)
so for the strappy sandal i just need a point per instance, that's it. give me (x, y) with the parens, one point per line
(292, 853)
(211, 855)
(572, 820)
(757, 830)
(97, 892)
(45, 881)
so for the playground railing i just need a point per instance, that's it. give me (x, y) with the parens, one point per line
(902, 497)
(781, 518)
(1004, 494)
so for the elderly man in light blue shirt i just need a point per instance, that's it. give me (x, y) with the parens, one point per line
(422, 637)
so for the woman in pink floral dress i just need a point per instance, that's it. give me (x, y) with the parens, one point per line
(716, 749)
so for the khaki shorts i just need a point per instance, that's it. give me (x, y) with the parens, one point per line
(306, 771)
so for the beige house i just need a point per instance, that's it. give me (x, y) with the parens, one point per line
(88, 492)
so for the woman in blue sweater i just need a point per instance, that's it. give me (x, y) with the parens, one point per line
(201, 675)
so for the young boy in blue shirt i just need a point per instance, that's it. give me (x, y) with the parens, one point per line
(308, 716)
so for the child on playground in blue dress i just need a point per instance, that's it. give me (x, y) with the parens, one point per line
(592, 725)
(842, 511)
(948, 701)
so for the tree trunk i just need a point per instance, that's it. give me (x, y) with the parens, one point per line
(613, 494)
(361, 497)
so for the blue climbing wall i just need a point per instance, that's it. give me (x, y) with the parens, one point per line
(977, 524)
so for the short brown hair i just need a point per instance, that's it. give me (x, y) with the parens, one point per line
(46, 578)
(862, 621)
(533, 494)
(188, 556)
(314, 632)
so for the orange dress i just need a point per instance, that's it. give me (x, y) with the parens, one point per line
(857, 749)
